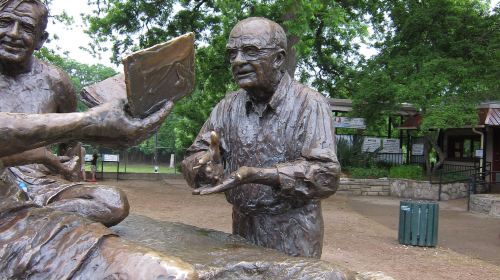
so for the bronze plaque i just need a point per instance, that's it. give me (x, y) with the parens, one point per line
(160, 73)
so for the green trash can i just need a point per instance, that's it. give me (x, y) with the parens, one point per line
(418, 223)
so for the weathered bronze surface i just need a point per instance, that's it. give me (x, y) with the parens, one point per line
(41, 243)
(160, 73)
(277, 147)
(38, 87)
(111, 89)
(50, 229)
(218, 255)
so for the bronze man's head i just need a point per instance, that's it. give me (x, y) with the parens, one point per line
(256, 51)
(22, 29)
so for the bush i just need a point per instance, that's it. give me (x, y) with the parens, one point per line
(351, 154)
(372, 172)
(414, 172)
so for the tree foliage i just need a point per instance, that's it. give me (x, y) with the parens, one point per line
(442, 56)
(322, 44)
(81, 74)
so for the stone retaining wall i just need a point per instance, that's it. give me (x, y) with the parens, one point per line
(401, 188)
(371, 187)
(425, 190)
(488, 204)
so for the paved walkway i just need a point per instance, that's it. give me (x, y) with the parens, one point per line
(475, 235)
(360, 232)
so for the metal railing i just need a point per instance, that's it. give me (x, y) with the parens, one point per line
(391, 158)
(454, 173)
(482, 178)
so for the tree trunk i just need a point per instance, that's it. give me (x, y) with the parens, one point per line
(291, 54)
(432, 141)
(292, 40)
(427, 158)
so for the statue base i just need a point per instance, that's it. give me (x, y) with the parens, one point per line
(218, 255)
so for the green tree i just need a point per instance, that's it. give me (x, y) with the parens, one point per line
(321, 34)
(440, 55)
(81, 74)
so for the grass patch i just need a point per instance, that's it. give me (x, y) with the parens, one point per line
(413, 172)
(368, 172)
(131, 168)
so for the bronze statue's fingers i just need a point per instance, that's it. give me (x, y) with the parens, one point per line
(224, 186)
(214, 139)
(206, 158)
(196, 167)
(214, 146)
(64, 158)
(159, 116)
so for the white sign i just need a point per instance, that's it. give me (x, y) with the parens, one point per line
(88, 157)
(371, 144)
(345, 122)
(114, 158)
(479, 153)
(417, 150)
(391, 146)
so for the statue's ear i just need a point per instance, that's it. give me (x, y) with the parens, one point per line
(42, 40)
(279, 59)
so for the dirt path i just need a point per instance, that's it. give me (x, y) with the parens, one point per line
(360, 232)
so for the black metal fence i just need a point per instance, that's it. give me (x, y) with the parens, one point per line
(163, 160)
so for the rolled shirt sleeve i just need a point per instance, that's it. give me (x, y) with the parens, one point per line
(316, 173)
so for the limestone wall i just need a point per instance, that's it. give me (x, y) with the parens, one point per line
(372, 187)
(488, 204)
(401, 188)
(426, 190)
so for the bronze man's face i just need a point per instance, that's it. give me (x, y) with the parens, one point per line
(253, 61)
(20, 33)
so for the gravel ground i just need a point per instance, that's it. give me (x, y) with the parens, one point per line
(360, 232)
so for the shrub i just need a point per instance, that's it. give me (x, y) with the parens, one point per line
(414, 172)
(351, 154)
(372, 172)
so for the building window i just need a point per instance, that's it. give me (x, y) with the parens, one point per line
(463, 147)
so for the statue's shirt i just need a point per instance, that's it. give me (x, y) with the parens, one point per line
(293, 132)
(45, 89)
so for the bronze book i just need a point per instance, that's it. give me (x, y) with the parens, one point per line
(164, 72)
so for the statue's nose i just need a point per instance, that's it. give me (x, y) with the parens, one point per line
(14, 30)
(239, 58)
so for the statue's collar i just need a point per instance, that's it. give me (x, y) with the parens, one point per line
(278, 97)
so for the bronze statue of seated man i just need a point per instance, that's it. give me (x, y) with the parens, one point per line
(28, 85)
(42, 243)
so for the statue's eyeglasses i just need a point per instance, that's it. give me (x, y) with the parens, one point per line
(248, 52)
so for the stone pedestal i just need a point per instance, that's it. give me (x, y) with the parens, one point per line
(218, 255)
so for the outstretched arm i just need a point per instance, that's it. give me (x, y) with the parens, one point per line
(108, 125)
(63, 165)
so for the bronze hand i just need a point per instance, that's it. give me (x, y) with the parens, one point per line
(209, 167)
(244, 175)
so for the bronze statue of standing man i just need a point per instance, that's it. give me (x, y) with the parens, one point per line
(270, 146)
